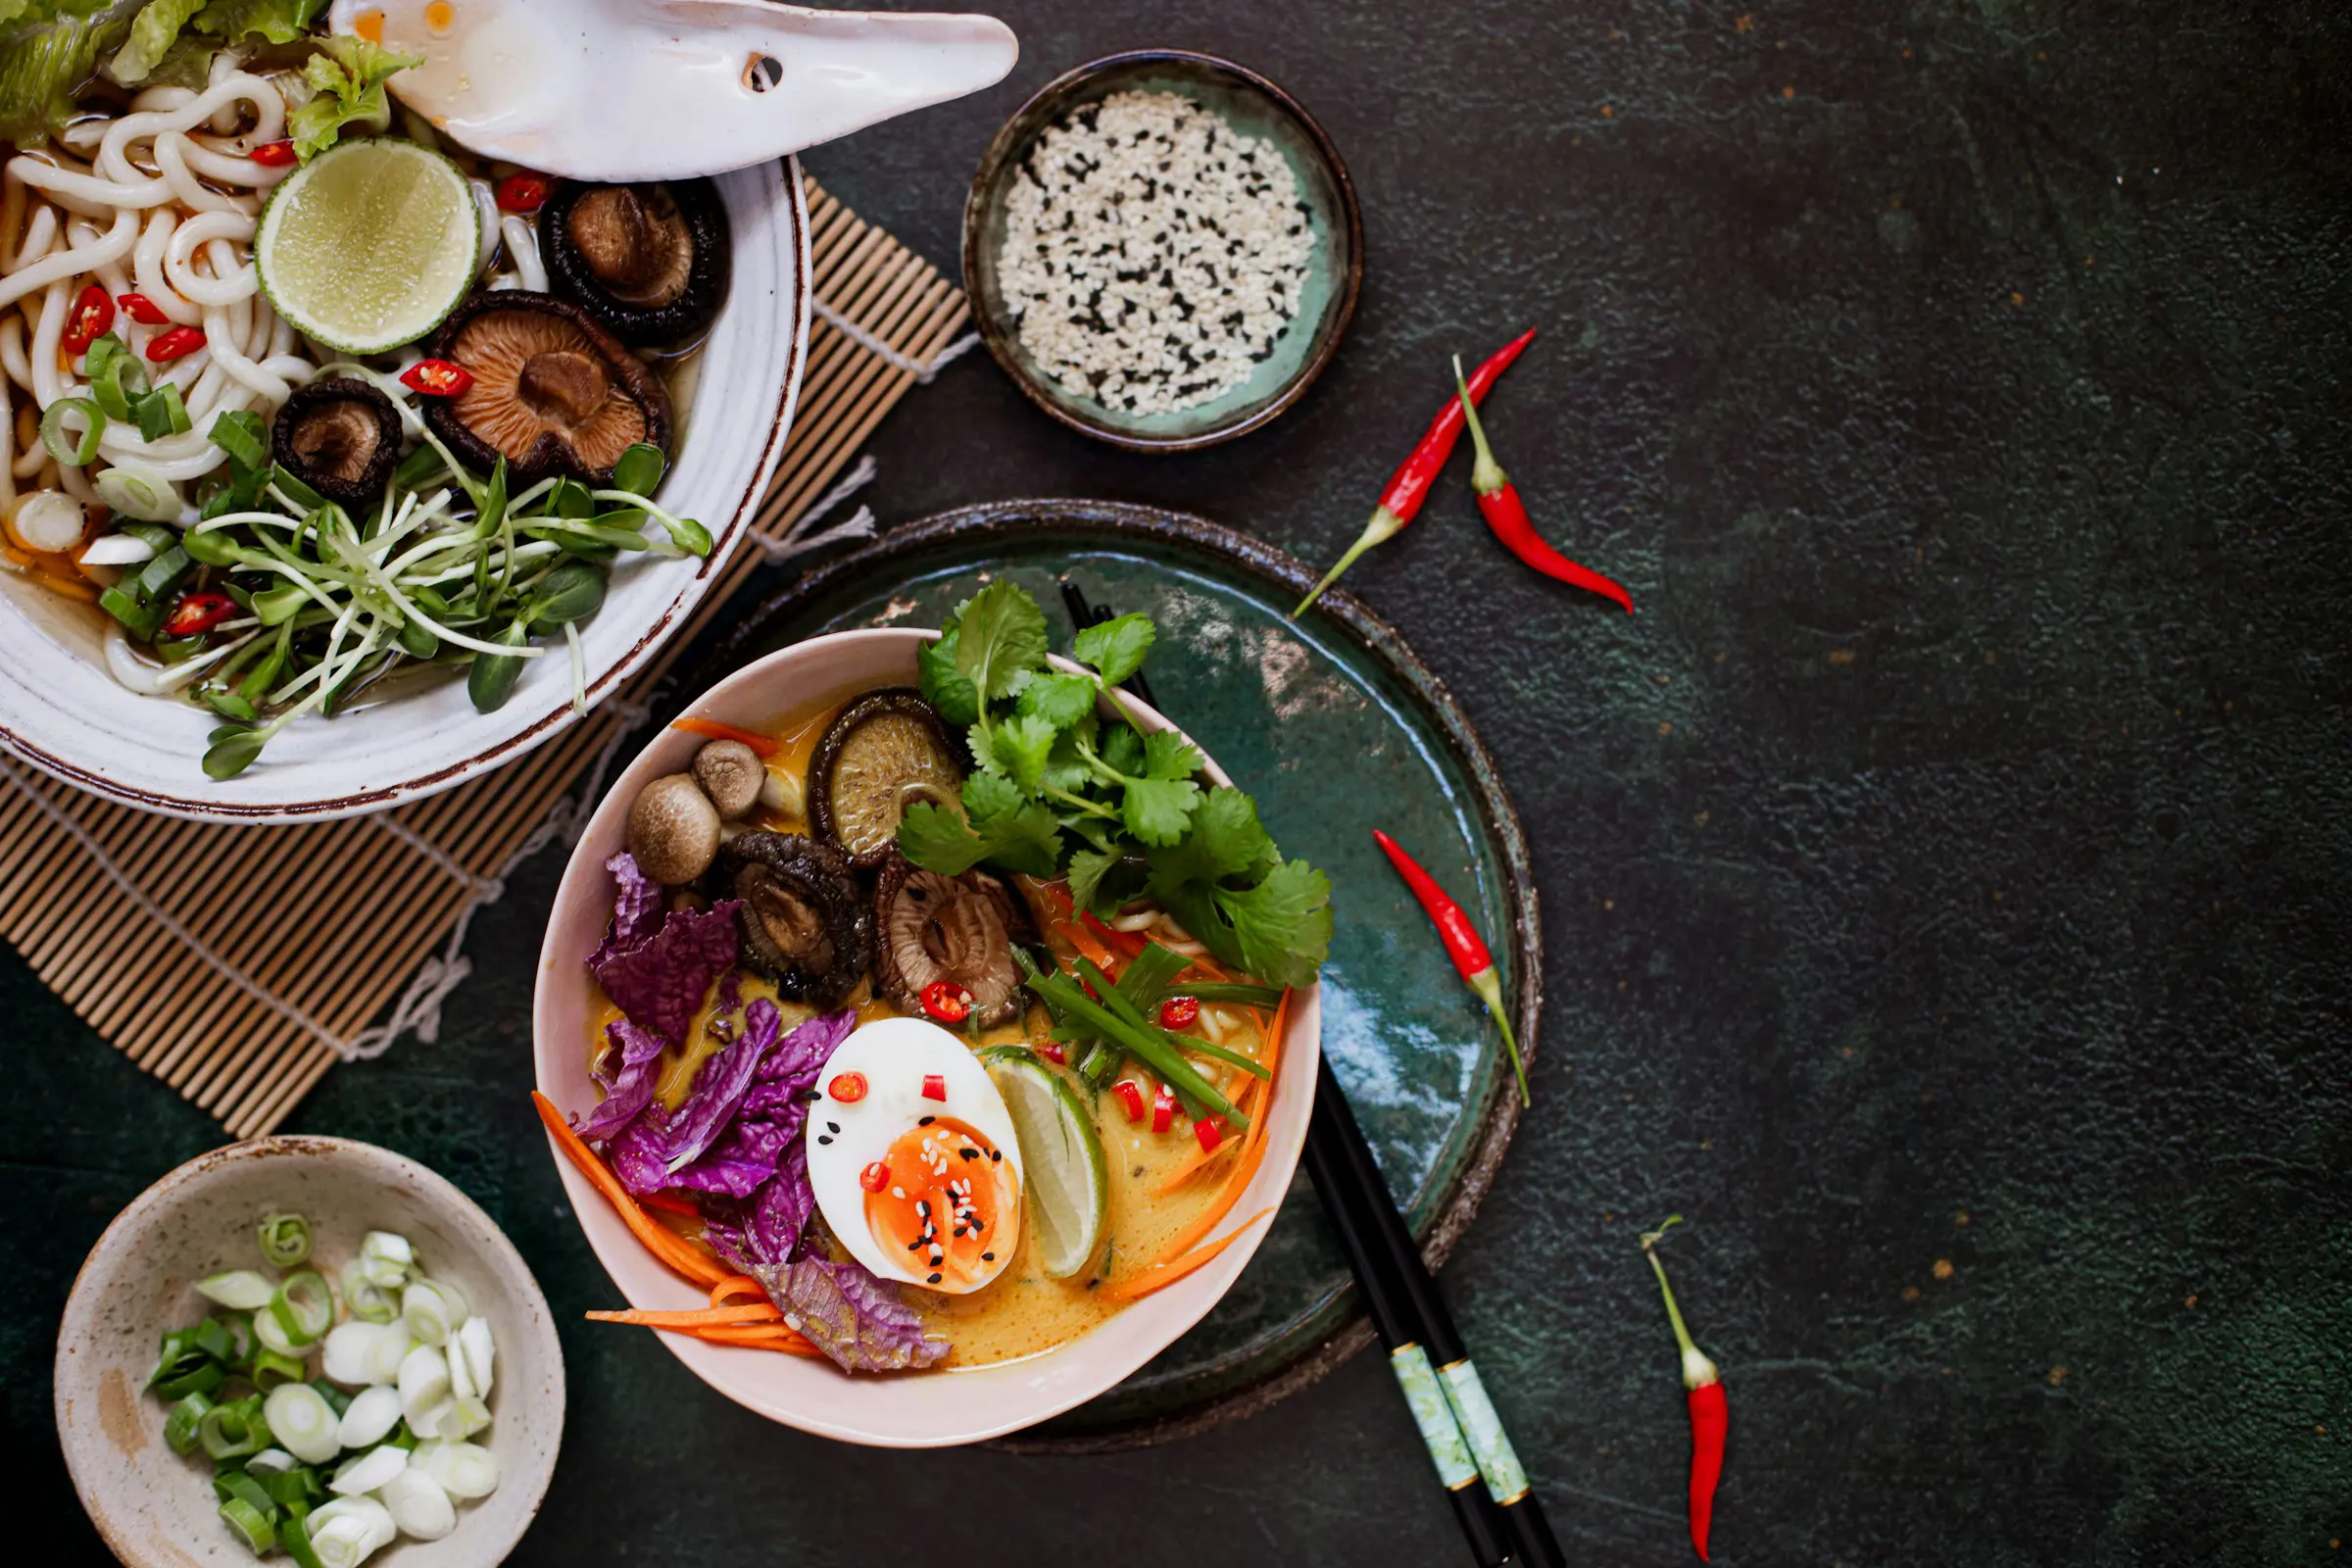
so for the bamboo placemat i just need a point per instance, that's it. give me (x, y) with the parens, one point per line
(242, 1004)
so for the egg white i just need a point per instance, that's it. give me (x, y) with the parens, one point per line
(894, 1056)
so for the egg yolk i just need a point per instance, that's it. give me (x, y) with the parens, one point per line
(940, 1206)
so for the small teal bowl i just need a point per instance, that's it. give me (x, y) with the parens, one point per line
(1256, 108)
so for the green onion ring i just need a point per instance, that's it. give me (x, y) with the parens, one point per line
(53, 431)
(285, 1240)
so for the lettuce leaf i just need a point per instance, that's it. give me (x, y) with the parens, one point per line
(349, 74)
(152, 34)
(55, 48)
(278, 20)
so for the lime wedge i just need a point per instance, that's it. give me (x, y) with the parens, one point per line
(369, 244)
(1062, 1159)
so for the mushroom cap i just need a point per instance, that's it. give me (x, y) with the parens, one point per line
(674, 829)
(731, 774)
(554, 393)
(804, 923)
(340, 436)
(651, 261)
(880, 755)
(930, 927)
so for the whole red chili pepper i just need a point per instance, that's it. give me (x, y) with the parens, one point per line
(1506, 515)
(1410, 485)
(1471, 960)
(177, 344)
(144, 311)
(196, 613)
(1711, 1415)
(92, 313)
(437, 379)
(273, 154)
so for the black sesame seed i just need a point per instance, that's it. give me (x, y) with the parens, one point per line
(832, 1126)
(970, 1153)
(932, 1280)
(995, 1154)
(823, 1139)
(926, 1121)
(988, 1258)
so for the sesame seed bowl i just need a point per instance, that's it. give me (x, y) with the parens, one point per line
(1162, 249)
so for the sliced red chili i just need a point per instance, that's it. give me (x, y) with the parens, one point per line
(523, 193)
(1178, 1013)
(197, 614)
(874, 1177)
(1052, 1051)
(947, 1002)
(92, 313)
(1131, 1097)
(177, 344)
(1210, 1130)
(437, 379)
(273, 154)
(935, 1085)
(1163, 1108)
(144, 311)
(849, 1087)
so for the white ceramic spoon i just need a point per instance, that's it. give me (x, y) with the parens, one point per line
(664, 89)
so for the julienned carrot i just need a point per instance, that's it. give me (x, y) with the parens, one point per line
(1254, 1151)
(762, 1338)
(1085, 943)
(663, 1242)
(1243, 1091)
(1160, 1276)
(670, 1205)
(1126, 944)
(764, 744)
(735, 1285)
(698, 1318)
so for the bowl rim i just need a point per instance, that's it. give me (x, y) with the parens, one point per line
(435, 1188)
(793, 210)
(992, 328)
(1182, 1304)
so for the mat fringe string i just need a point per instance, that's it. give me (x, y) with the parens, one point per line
(419, 1007)
(922, 373)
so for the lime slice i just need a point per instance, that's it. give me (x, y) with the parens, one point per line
(369, 244)
(1062, 1159)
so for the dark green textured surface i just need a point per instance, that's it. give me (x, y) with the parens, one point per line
(1331, 742)
(2034, 910)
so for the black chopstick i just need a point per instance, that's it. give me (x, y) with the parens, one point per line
(1501, 1520)
(1083, 616)
(1332, 1136)
(1393, 1320)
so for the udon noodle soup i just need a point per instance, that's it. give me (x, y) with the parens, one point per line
(295, 403)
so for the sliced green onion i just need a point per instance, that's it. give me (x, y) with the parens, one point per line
(479, 1353)
(462, 1469)
(431, 1310)
(369, 1301)
(386, 1257)
(304, 1424)
(240, 1290)
(137, 492)
(463, 1419)
(390, 1348)
(251, 1526)
(233, 1430)
(419, 1506)
(344, 1357)
(213, 1338)
(336, 1400)
(371, 1419)
(269, 1463)
(228, 1484)
(348, 1528)
(367, 1472)
(242, 435)
(115, 376)
(285, 1240)
(299, 1312)
(272, 1368)
(72, 451)
(424, 1385)
(290, 1486)
(160, 413)
(202, 1377)
(180, 1427)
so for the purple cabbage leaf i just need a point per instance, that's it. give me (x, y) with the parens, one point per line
(660, 980)
(632, 1088)
(860, 1321)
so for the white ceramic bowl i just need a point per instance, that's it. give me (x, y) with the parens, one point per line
(154, 1508)
(909, 1410)
(62, 713)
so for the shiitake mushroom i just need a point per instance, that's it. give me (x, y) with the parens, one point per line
(881, 754)
(804, 924)
(650, 262)
(340, 436)
(929, 927)
(553, 393)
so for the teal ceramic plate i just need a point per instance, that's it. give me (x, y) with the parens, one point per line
(1256, 108)
(1337, 728)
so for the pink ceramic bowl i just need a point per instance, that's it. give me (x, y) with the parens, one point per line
(912, 1410)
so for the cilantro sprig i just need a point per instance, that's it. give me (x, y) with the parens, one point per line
(1065, 782)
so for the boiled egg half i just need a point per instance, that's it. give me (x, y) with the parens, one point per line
(914, 1158)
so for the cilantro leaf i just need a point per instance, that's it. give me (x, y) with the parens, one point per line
(946, 687)
(1227, 843)
(1282, 927)
(1168, 755)
(1158, 810)
(1067, 768)
(1001, 632)
(1086, 870)
(1019, 748)
(987, 795)
(1060, 700)
(1116, 648)
(1016, 834)
(1123, 750)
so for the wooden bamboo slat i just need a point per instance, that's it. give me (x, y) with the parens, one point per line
(242, 1004)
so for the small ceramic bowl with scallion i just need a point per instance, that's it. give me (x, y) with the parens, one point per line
(1162, 249)
(307, 1350)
